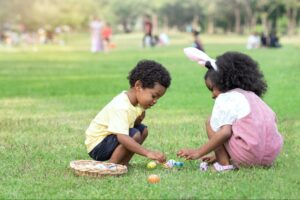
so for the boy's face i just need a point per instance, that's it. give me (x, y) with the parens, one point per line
(147, 97)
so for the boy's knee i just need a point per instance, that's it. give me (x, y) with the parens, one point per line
(145, 133)
(137, 137)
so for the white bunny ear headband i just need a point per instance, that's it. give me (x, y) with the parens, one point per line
(200, 57)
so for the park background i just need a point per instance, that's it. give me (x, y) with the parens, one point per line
(50, 92)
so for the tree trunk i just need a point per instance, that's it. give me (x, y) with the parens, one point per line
(292, 18)
(251, 15)
(155, 24)
(165, 24)
(264, 21)
(210, 25)
(253, 22)
(237, 16)
(125, 26)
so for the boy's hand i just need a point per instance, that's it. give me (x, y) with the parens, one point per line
(189, 154)
(160, 157)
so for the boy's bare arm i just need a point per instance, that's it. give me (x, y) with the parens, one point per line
(131, 145)
(140, 118)
(135, 147)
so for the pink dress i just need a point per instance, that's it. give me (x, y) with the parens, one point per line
(255, 139)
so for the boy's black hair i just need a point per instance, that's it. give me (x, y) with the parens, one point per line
(237, 70)
(149, 72)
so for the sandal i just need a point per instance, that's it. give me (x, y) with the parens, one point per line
(203, 166)
(220, 168)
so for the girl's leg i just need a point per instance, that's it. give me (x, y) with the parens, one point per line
(221, 154)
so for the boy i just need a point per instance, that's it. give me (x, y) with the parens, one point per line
(116, 133)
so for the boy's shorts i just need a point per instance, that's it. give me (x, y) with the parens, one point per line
(107, 146)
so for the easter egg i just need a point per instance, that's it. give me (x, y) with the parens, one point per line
(170, 163)
(178, 164)
(153, 178)
(151, 165)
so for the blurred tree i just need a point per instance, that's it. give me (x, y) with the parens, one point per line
(128, 11)
(157, 18)
(250, 14)
(264, 12)
(292, 8)
(69, 12)
(212, 15)
(236, 5)
(265, 8)
(187, 10)
(210, 9)
(15, 11)
(38, 13)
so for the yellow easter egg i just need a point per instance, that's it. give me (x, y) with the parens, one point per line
(151, 165)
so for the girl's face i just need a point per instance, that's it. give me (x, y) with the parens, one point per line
(214, 90)
(147, 97)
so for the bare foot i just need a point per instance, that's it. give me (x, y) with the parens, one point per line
(209, 158)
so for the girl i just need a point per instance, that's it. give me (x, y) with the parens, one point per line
(242, 129)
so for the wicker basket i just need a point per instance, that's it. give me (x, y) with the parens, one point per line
(97, 168)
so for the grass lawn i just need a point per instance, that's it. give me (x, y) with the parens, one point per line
(48, 98)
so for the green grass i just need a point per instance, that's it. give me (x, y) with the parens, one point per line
(48, 98)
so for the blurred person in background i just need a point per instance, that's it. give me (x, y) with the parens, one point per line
(253, 41)
(96, 36)
(197, 42)
(106, 35)
(148, 27)
(274, 40)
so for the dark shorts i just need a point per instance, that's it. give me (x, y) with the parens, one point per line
(106, 147)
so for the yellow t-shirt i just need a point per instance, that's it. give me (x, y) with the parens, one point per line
(116, 117)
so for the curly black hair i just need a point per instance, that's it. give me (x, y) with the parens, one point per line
(237, 70)
(149, 72)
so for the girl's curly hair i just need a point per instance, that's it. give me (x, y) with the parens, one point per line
(237, 70)
(149, 72)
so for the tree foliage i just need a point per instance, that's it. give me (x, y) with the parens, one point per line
(212, 15)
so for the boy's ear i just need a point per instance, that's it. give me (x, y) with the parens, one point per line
(138, 84)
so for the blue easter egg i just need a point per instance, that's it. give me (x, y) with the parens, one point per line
(178, 164)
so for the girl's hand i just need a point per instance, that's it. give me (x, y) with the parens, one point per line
(184, 152)
(160, 157)
(189, 154)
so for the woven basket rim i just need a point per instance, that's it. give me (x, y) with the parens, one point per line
(97, 168)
